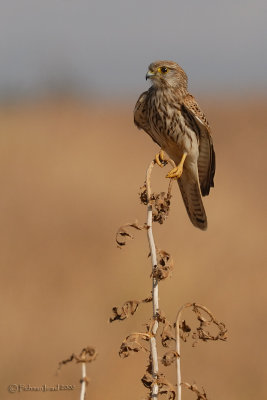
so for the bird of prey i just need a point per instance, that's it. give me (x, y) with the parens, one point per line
(173, 119)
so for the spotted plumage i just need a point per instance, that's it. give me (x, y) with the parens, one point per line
(173, 119)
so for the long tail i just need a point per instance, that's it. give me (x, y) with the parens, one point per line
(193, 202)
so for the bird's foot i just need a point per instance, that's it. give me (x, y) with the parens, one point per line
(177, 171)
(159, 158)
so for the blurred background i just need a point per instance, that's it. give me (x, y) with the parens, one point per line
(71, 164)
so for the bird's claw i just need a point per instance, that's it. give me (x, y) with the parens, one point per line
(175, 172)
(159, 159)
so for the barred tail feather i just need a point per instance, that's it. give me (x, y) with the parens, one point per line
(191, 195)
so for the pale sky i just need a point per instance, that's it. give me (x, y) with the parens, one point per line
(105, 46)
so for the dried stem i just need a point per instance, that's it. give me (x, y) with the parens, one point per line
(158, 205)
(221, 336)
(83, 381)
(87, 355)
(178, 350)
(155, 295)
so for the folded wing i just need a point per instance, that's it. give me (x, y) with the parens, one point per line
(206, 160)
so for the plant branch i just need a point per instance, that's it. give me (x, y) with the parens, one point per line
(155, 288)
(83, 381)
(178, 350)
(200, 334)
(155, 297)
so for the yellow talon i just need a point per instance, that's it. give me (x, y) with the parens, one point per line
(159, 158)
(177, 171)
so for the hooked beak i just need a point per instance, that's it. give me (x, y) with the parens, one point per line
(149, 74)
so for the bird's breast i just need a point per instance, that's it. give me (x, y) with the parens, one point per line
(166, 122)
(168, 126)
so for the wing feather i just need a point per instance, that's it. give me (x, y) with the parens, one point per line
(206, 160)
(140, 113)
(141, 119)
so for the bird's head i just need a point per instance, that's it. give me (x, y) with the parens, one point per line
(167, 74)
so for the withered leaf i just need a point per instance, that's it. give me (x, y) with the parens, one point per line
(143, 194)
(160, 203)
(127, 309)
(165, 265)
(132, 343)
(161, 316)
(184, 330)
(147, 380)
(169, 358)
(167, 335)
(147, 300)
(166, 387)
(122, 233)
(201, 332)
(87, 355)
(194, 388)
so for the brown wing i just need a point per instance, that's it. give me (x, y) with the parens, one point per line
(141, 119)
(140, 112)
(206, 159)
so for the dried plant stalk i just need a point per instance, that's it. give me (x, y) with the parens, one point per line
(178, 350)
(83, 382)
(155, 288)
(155, 291)
(158, 206)
(201, 334)
(87, 355)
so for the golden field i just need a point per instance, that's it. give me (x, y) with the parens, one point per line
(70, 173)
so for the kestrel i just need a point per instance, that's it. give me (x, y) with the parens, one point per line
(173, 119)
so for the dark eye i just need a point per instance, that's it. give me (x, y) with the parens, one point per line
(164, 70)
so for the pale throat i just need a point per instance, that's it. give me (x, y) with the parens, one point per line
(173, 93)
